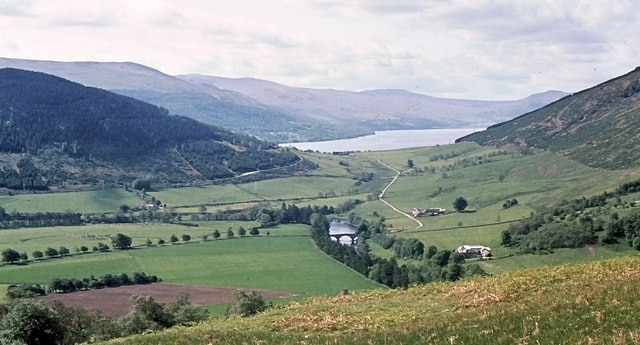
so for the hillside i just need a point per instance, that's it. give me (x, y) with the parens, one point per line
(598, 127)
(281, 113)
(57, 132)
(592, 303)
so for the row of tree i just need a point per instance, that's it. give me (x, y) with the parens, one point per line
(11, 256)
(66, 285)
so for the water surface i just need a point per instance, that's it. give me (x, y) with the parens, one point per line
(388, 140)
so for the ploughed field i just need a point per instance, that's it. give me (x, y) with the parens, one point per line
(116, 302)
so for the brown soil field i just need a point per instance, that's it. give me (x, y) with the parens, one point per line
(116, 302)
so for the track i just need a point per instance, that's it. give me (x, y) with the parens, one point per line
(381, 197)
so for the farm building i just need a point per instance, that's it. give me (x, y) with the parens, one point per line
(433, 211)
(475, 251)
(342, 231)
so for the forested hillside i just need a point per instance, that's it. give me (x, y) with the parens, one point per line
(598, 127)
(43, 116)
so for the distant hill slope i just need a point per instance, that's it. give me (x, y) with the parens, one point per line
(599, 127)
(280, 113)
(64, 125)
(378, 109)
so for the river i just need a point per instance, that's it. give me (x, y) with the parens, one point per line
(388, 140)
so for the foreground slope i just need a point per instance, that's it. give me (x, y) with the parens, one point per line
(65, 127)
(599, 127)
(594, 303)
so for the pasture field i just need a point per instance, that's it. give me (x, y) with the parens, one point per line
(31, 239)
(286, 260)
(108, 200)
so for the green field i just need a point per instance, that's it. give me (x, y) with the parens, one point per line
(485, 176)
(285, 260)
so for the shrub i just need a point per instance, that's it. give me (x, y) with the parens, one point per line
(247, 303)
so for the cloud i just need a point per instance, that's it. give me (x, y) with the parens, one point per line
(456, 48)
(15, 8)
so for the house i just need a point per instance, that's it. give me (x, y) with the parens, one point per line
(343, 232)
(474, 251)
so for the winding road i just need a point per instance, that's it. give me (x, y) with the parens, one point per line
(381, 196)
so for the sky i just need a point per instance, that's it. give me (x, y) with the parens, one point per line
(470, 49)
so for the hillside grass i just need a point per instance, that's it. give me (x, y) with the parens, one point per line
(593, 303)
(286, 260)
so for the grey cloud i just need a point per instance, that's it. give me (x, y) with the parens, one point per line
(16, 8)
(90, 21)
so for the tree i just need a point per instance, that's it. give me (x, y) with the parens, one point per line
(121, 241)
(173, 238)
(149, 243)
(265, 220)
(410, 163)
(460, 204)
(24, 256)
(124, 208)
(9, 255)
(146, 314)
(63, 251)
(247, 303)
(216, 234)
(160, 241)
(37, 254)
(230, 233)
(186, 237)
(635, 244)
(28, 321)
(142, 184)
(184, 312)
(242, 232)
(102, 247)
(50, 252)
(254, 231)
(84, 249)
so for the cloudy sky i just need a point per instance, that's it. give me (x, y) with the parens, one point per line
(474, 49)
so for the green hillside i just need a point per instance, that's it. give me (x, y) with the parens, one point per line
(56, 133)
(598, 127)
(593, 303)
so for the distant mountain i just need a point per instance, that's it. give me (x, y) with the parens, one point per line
(279, 113)
(61, 130)
(378, 109)
(207, 104)
(599, 126)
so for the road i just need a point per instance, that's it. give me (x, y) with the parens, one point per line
(381, 196)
